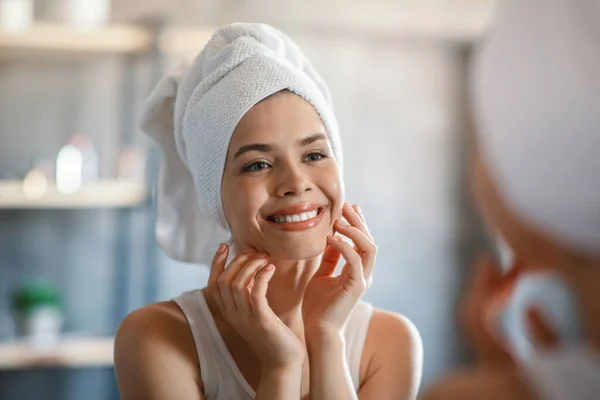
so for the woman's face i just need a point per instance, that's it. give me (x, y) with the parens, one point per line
(282, 189)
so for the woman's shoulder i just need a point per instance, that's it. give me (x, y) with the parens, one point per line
(161, 327)
(162, 319)
(388, 328)
(150, 338)
(393, 349)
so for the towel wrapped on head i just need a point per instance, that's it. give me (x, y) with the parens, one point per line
(192, 115)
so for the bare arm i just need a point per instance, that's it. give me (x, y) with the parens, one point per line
(280, 384)
(155, 356)
(329, 374)
(393, 345)
(396, 359)
(392, 362)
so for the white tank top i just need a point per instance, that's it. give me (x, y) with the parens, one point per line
(563, 375)
(222, 378)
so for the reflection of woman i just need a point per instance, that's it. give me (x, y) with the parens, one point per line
(255, 135)
(537, 182)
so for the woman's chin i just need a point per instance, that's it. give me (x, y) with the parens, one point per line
(298, 251)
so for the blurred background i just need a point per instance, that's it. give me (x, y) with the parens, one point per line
(77, 250)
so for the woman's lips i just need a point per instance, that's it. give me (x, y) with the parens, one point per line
(294, 222)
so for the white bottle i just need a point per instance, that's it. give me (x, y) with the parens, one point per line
(80, 13)
(76, 165)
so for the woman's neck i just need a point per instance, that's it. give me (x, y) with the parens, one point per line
(286, 289)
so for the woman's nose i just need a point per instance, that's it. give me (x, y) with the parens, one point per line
(292, 181)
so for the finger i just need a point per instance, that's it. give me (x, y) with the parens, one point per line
(258, 297)
(358, 211)
(485, 278)
(544, 336)
(353, 269)
(218, 263)
(364, 245)
(239, 286)
(329, 262)
(489, 286)
(224, 281)
(501, 290)
(355, 220)
(474, 313)
(487, 295)
(488, 290)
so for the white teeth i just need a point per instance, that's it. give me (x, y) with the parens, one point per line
(297, 217)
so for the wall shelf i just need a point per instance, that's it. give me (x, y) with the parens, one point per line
(116, 39)
(450, 21)
(456, 22)
(71, 353)
(103, 194)
(43, 38)
(184, 41)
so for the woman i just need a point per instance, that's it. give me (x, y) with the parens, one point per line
(536, 181)
(250, 127)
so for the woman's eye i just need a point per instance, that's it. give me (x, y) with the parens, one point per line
(257, 166)
(315, 157)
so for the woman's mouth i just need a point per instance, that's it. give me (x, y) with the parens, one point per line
(298, 221)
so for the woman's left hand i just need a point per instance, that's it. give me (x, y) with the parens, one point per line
(328, 299)
(487, 296)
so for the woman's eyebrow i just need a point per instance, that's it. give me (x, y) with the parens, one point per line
(265, 148)
(311, 139)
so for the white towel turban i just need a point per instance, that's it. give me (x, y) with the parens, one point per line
(536, 92)
(192, 115)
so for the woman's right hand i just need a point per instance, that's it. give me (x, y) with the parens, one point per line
(240, 291)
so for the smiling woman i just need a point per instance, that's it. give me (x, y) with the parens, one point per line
(252, 157)
(282, 188)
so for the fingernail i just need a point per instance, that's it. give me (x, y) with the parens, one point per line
(342, 223)
(269, 267)
(222, 248)
(334, 238)
(357, 209)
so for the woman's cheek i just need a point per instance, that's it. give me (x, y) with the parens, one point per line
(333, 187)
(239, 205)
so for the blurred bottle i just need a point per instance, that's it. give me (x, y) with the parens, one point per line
(15, 15)
(35, 183)
(131, 165)
(76, 165)
(38, 313)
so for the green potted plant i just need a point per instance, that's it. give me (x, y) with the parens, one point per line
(37, 306)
